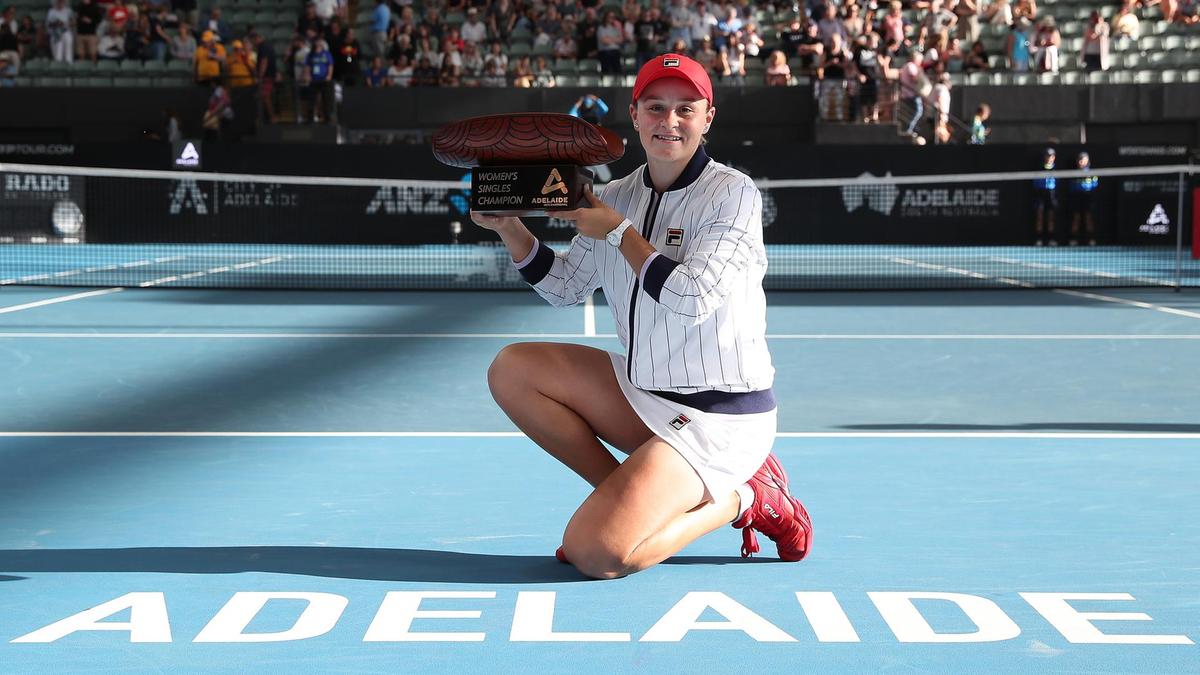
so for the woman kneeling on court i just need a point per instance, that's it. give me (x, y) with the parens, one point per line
(677, 247)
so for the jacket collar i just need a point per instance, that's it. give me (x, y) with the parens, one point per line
(691, 172)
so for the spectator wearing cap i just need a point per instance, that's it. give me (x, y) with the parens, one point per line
(1047, 42)
(210, 59)
(241, 67)
(1094, 54)
(183, 43)
(59, 20)
(473, 30)
(117, 14)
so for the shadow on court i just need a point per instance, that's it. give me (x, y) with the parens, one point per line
(8, 578)
(1165, 427)
(370, 564)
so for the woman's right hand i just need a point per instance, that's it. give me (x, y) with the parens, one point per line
(494, 223)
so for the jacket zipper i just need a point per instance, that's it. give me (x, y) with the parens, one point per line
(647, 229)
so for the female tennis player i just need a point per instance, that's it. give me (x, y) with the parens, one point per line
(677, 248)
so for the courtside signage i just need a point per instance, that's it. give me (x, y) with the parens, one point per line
(143, 617)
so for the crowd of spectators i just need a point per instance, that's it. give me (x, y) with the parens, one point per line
(861, 53)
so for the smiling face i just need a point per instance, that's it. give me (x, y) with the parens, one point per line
(671, 117)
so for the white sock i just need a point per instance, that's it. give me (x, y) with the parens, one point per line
(746, 497)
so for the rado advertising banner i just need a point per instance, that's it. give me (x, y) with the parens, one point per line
(41, 209)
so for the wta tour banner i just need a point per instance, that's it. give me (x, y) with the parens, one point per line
(41, 208)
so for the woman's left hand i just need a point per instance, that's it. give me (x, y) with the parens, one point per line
(596, 221)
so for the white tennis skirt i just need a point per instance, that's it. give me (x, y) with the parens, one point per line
(725, 450)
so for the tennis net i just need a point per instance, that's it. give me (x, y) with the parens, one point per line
(75, 226)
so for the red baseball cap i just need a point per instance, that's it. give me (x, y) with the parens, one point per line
(673, 65)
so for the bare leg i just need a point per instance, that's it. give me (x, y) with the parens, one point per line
(651, 507)
(566, 398)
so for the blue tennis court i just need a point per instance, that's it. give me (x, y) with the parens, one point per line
(206, 480)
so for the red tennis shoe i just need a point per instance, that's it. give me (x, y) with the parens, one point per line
(560, 556)
(775, 513)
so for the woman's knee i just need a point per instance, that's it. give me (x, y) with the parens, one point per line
(595, 559)
(510, 370)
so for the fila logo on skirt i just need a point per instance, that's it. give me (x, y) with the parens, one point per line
(680, 421)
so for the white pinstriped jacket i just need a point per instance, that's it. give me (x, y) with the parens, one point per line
(694, 318)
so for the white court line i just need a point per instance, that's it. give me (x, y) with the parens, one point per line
(61, 298)
(960, 271)
(575, 336)
(1134, 303)
(89, 270)
(589, 316)
(1081, 271)
(214, 270)
(1098, 435)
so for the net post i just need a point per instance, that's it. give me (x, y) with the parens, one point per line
(1179, 236)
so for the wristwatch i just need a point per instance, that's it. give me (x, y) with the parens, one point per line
(615, 235)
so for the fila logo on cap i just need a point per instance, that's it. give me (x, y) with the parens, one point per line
(670, 62)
